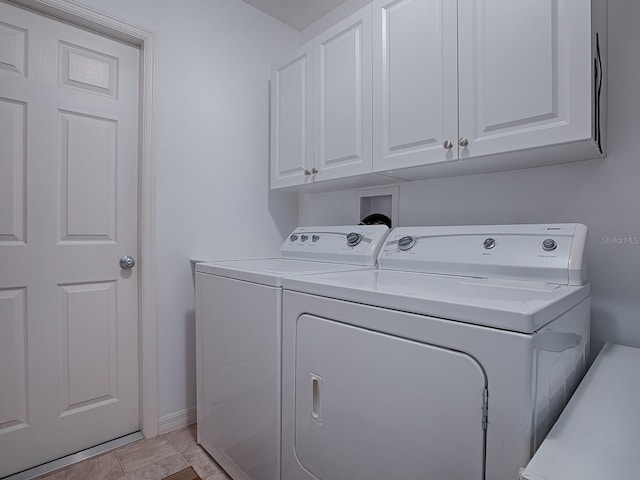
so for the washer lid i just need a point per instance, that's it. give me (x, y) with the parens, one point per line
(515, 305)
(269, 271)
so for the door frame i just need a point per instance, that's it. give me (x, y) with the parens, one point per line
(103, 23)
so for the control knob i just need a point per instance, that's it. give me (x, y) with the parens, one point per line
(304, 238)
(293, 237)
(489, 243)
(406, 243)
(549, 245)
(354, 239)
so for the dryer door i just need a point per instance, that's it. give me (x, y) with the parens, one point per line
(370, 405)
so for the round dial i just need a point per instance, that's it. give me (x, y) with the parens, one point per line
(304, 238)
(354, 239)
(489, 243)
(549, 245)
(315, 238)
(293, 237)
(406, 243)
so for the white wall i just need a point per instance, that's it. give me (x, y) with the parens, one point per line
(212, 152)
(603, 194)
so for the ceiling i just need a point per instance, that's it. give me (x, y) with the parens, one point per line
(297, 14)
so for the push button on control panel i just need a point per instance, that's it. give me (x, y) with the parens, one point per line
(406, 243)
(549, 245)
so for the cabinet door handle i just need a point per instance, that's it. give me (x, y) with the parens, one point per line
(447, 145)
(463, 142)
(314, 170)
(307, 173)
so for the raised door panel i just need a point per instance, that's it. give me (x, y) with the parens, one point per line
(89, 155)
(343, 95)
(370, 405)
(524, 74)
(13, 49)
(291, 119)
(415, 80)
(13, 135)
(14, 405)
(88, 357)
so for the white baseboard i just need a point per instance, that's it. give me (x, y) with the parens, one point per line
(176, 420)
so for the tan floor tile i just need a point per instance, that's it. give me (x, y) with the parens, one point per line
(158, 468)
(219, 475)
(104, 467)
(50, 476)
(200, 460)
(144, 453)
(183, 438)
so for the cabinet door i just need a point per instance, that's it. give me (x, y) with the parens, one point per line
(416, 82)
(291, 118)
(524, 74)
(343, 98)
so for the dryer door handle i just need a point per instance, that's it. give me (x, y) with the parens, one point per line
(316, 396)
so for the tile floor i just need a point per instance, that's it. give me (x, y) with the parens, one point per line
(151, 459)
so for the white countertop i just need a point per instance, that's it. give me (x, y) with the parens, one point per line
(596, 437)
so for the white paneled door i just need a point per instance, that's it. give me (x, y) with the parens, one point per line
(68, 212)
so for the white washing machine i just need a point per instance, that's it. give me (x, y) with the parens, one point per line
(451, 361)
(238, 342)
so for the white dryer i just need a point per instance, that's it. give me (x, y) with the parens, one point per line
(238, 342)
(451, 361)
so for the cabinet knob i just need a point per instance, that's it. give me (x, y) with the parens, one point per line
(307, 173)
(464, 141)
(447, 145)
(314, 170)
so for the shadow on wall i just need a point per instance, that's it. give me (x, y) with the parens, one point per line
(282, 206)
(190, 348)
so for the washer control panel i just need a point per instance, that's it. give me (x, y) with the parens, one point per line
(356, 244)
(552, 253)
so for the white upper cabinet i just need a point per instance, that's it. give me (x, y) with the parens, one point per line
(415, 82)
(321, 98)
(291, 118)
(410, 89)
(491, 81)
(525, 74)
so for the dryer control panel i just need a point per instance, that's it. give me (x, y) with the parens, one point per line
(550, 253)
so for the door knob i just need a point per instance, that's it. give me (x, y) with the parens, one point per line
(314, 170)
(447, 145)
(127, 262)
(307, 173)
(463, 142)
